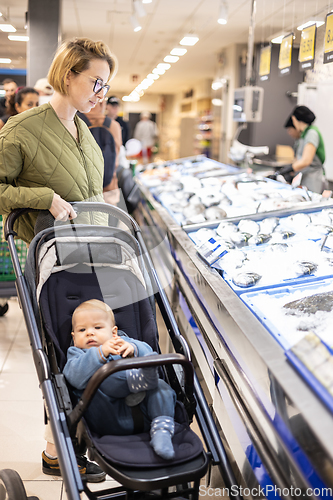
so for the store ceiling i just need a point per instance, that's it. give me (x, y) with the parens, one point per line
(166, 22)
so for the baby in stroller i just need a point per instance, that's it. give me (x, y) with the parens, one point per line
(98, 341)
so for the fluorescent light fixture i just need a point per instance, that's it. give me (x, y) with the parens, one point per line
(7, 28)
(305, 25)
(139, 8)
(278, 39)
(189, 40)
(164, 66)
(126, 98)
(135, 23)
(158, 71)
(18, 38)
(146, 83)
(134, 96)
(223, 14)
(171, 59)
(147, 1)
(178, 51)
(217, 102)
(139, 90)
(217, 84)
(5, 60)
(153, 76)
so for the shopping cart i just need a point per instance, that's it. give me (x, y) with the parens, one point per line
(7, 274)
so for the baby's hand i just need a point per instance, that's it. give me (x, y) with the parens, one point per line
(125, 349)
(111, 346)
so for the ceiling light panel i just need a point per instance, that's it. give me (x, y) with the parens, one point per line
(18, 38)
(153, 76)
(7, 28)
(5, 60)
(171, 59)
(189, 40)
(178, 51)
(305, 25)
(164, 66)
(158, 71)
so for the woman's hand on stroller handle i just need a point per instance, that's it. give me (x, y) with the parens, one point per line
(61, 209)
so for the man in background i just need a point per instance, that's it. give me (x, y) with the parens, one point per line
(9, 87)
(112, 111)
(146, 132)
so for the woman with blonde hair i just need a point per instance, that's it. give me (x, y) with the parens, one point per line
(48, 158)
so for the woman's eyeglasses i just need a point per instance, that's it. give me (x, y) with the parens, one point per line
(98, 85)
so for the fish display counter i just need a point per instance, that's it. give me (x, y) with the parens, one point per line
(204, 190)
(264, 378)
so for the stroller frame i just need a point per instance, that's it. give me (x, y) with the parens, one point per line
(138, 483)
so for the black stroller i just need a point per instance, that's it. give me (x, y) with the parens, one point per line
(104, 257)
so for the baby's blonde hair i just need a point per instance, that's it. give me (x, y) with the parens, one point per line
(95, 304)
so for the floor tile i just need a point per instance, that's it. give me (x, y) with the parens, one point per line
(19, 361)
(45, 490)
(19, 387)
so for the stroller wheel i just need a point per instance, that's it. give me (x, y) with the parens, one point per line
(11, 486)
(3, 309)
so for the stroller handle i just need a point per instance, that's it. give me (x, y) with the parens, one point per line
(127, 364)
(79, 207)
(12, 218)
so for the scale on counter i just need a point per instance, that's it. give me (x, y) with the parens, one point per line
(272, 161)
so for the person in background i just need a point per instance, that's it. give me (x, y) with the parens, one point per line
(10, 111)
(310, 151)
(43, 87)
(291, 130)
(112, 111)
(94, 119)
(10, 88)
(146, 132)
(49, 158)
(295, 135)
(26, 98)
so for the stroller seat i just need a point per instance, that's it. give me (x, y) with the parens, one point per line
(73, 268)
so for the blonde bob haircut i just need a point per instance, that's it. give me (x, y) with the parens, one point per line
(95, 304)
(75, 55)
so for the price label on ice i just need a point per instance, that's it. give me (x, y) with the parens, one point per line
(307, 47)
(285, 54)
(328, 46)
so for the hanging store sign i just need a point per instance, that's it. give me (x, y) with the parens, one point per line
(328, 46)
(307, 47)
(286, 49)
(265, 62)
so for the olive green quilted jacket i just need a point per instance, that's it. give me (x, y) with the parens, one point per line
(39, 157)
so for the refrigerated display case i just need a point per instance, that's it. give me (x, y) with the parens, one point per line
(276, 426)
